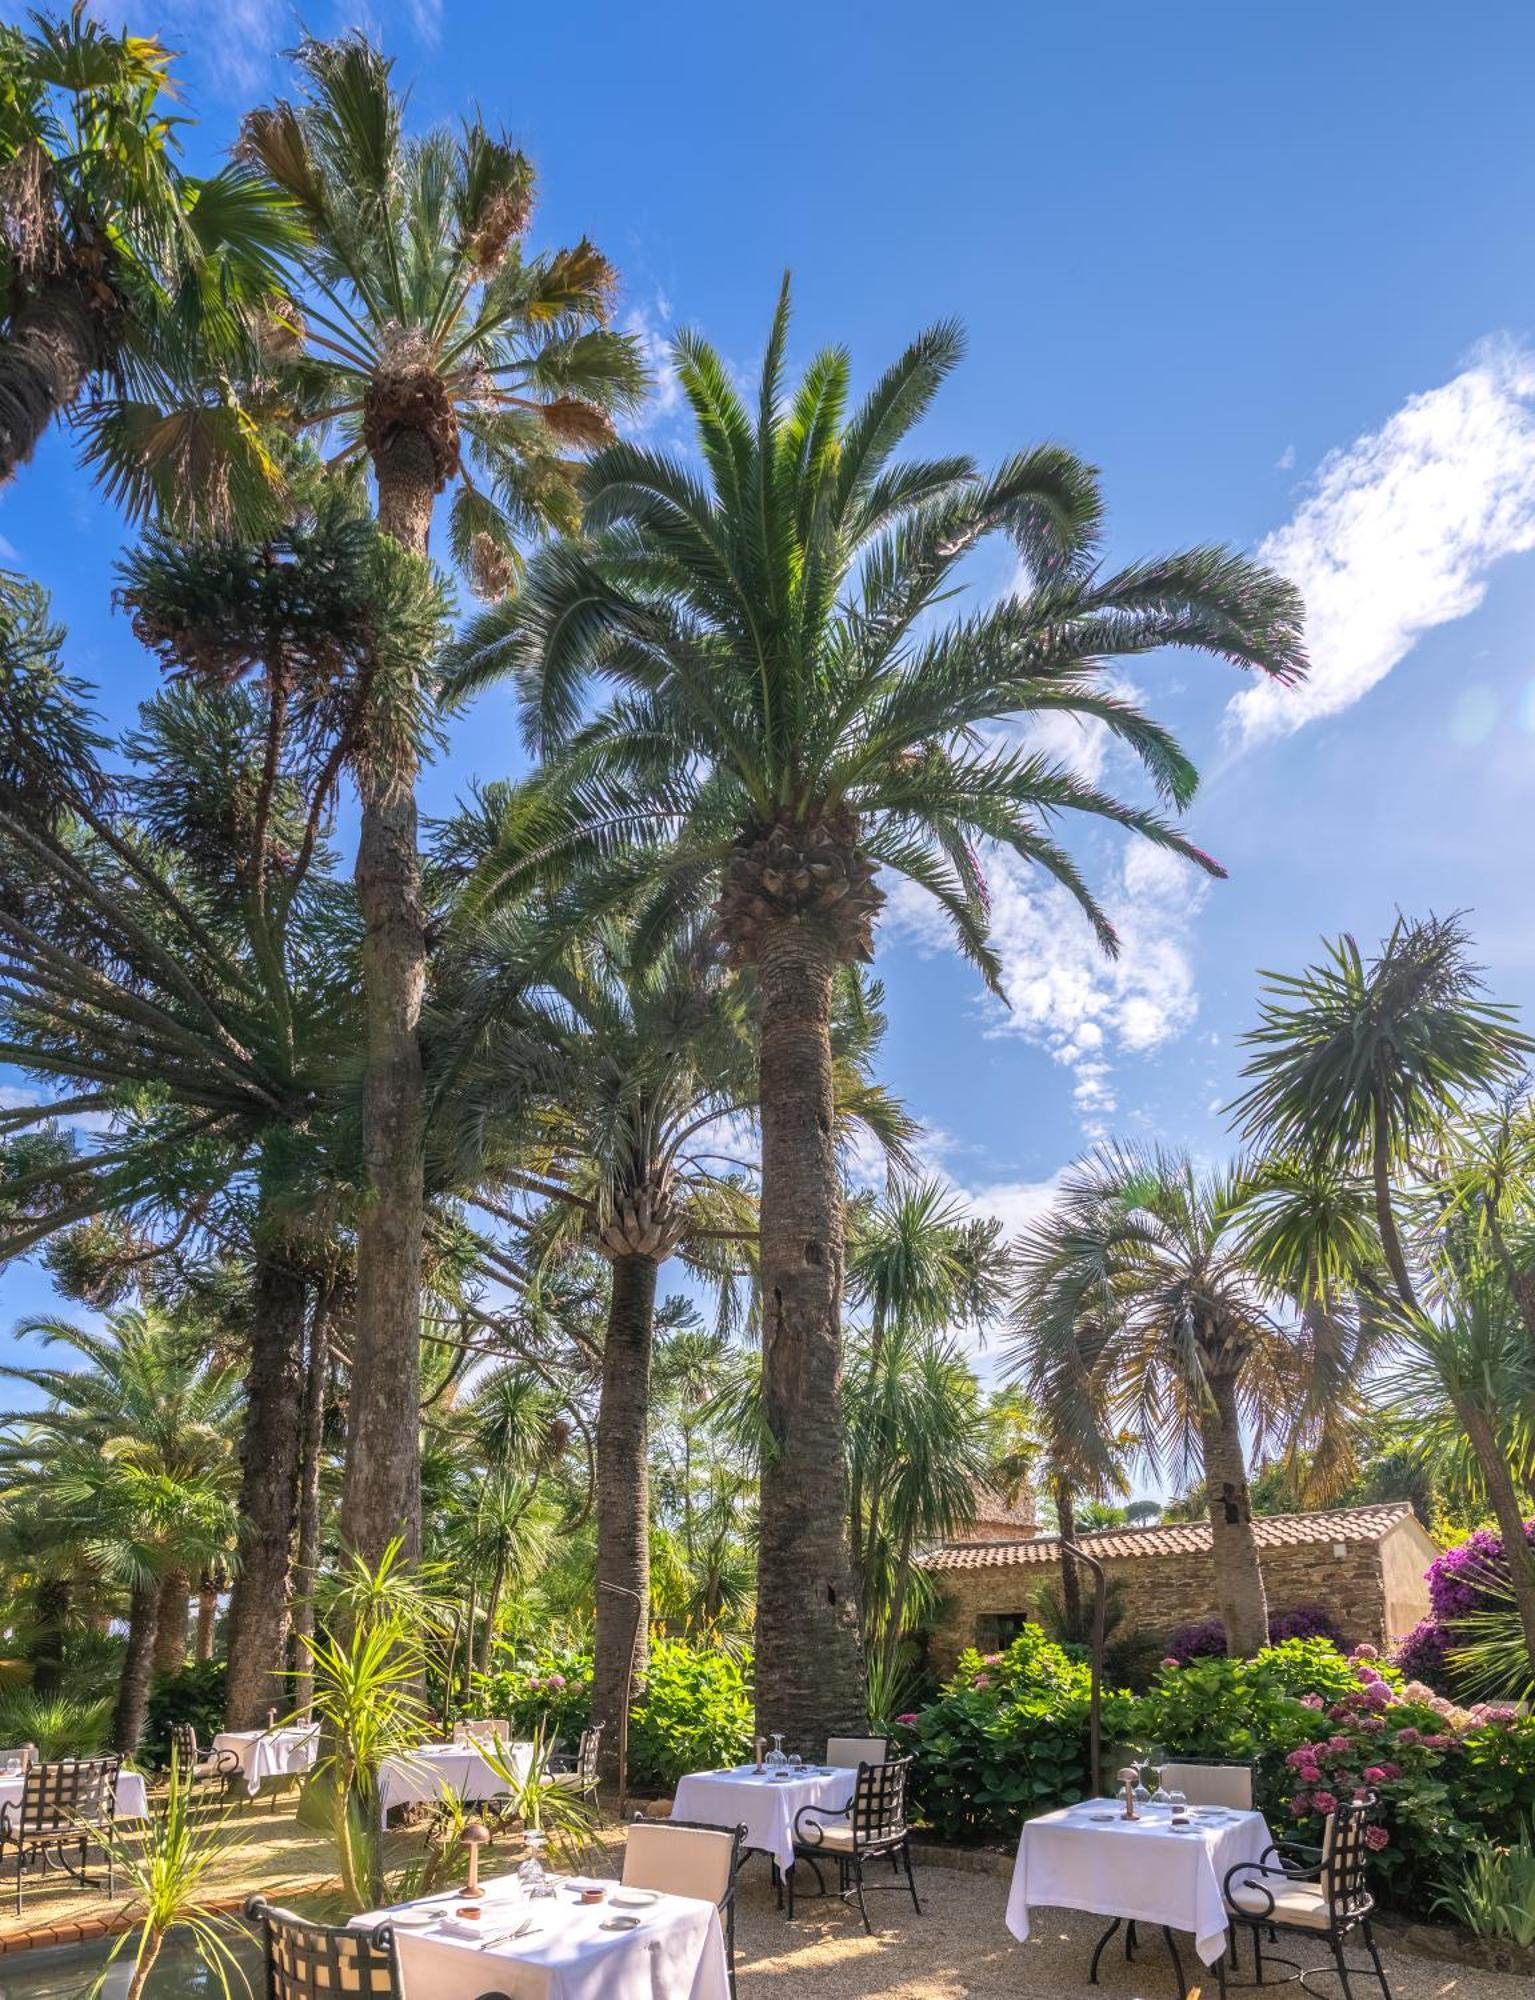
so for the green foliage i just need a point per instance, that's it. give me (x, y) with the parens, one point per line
(195, 1695)
(550, 1690)
(57, 1724)
(1492, 1891)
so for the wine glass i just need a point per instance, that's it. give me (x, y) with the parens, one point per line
(1156, 1757)
(775, 1758)
(531, 1874)
(1135, 1756)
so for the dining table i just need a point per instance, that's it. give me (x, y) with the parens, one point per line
(131, 1797)
(631, 1945)
(434, 1771)
(766, 1803)
(1146, 1870)
(287, 1752)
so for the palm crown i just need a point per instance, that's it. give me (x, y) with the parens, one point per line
(420, 314)
(784, 710)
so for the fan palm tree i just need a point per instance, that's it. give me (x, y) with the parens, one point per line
(788, 718)
(123, 276)
(1138, 1309)
(428, 347)
(136, 1439)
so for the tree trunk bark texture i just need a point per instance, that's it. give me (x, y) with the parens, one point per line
(810, 1681)
(1071, 1581)
(138, 1669)
(1239, 1590)
(1503, 1498)
(171, 1630)
(308, 1560)
(260, 1605)
(52, 350)
(381, 1491)
(207, 1621)
(623, 1494)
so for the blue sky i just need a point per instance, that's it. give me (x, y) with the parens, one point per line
(1270, 269)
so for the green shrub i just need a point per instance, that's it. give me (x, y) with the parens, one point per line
(59, 1725)
(1491, 1890)
(692, 1708)
(195, 1695)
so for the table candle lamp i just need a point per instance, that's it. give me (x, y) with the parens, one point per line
(1128, 1780)
(758, 1743)
(474, 1836)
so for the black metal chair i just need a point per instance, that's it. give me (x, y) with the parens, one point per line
(62, 1805)
(873, 1825)
(195, 1768)
(308, 1961)
(667, 1854)
(579, 1773)
(1321, 1893)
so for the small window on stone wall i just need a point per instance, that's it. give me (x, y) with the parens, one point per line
(995, 1631)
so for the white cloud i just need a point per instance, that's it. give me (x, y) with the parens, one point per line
(647, 324)
(1398, 532)
(1285, 460)
(1084, 1008)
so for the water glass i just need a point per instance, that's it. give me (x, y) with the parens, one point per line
(1179, 1801)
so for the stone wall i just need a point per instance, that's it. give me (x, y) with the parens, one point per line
(1163, 1591)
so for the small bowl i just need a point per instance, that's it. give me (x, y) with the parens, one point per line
(470, 1913)
(593, 1893)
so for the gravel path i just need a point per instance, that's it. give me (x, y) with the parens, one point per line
(960, 1946)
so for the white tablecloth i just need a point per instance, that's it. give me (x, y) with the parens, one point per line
(764, 1806)
(677, 1952)
(438, 1769)
(1140, 1868)
(132, 1796)
(271, 1753)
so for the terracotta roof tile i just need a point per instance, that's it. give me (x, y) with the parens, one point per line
(1339, 1524)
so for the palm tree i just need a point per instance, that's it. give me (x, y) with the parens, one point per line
(788, 718)
(1137, 1308)
(439, 356)
(123, 276)
(136, 1441)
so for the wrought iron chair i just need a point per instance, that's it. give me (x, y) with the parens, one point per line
(1321, 1892)
(196, 1768)
(579, 1774)
(62, 1805)
(689, 1857)
(848, 1752)
(306, 1961)
(873, 1825)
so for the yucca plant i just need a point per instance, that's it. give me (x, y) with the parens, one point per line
(1491, 1890)
(165, 1867)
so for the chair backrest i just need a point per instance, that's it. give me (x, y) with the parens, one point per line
(1211, 1784)
(490, 1729)
(683, 1858)
(879, 1802)
(848, 1752)
(184, 1746)
(25, 1754)
(64, 1796)
(586, 1756)
(1345, 1858)
(306, 1961)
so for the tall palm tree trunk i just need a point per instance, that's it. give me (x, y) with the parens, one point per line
(381, 1491)
(1239, 1592)
(207, 1618)
(1503, 1498)
(171, 1627)
(54, 345)
(138, 1668)
(1071, 1582)
(307, 1564)
(623, 1493)
(809, 1657)
(259, 1607)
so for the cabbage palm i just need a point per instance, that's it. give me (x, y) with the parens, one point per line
(789, 714)
(1138, 1308)
(123, 278)
(429, 348)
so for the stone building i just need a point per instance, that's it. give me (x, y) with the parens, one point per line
(1364, 1565)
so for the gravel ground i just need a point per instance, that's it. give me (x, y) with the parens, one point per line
(960, 1946)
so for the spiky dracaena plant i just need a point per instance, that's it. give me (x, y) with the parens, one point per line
(428, 347)
(789, 715)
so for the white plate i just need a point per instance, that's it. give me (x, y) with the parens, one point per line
(414, 1920)
(633, 1899)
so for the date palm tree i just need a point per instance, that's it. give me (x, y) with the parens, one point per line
(789, 715)
(124, 279)
(1138, 1309)
(428, 348)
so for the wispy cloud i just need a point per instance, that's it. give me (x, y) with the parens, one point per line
(649, 323)
(1398, 532)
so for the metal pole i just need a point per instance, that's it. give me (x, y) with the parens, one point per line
(1095, 1705)
(622, 1590)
